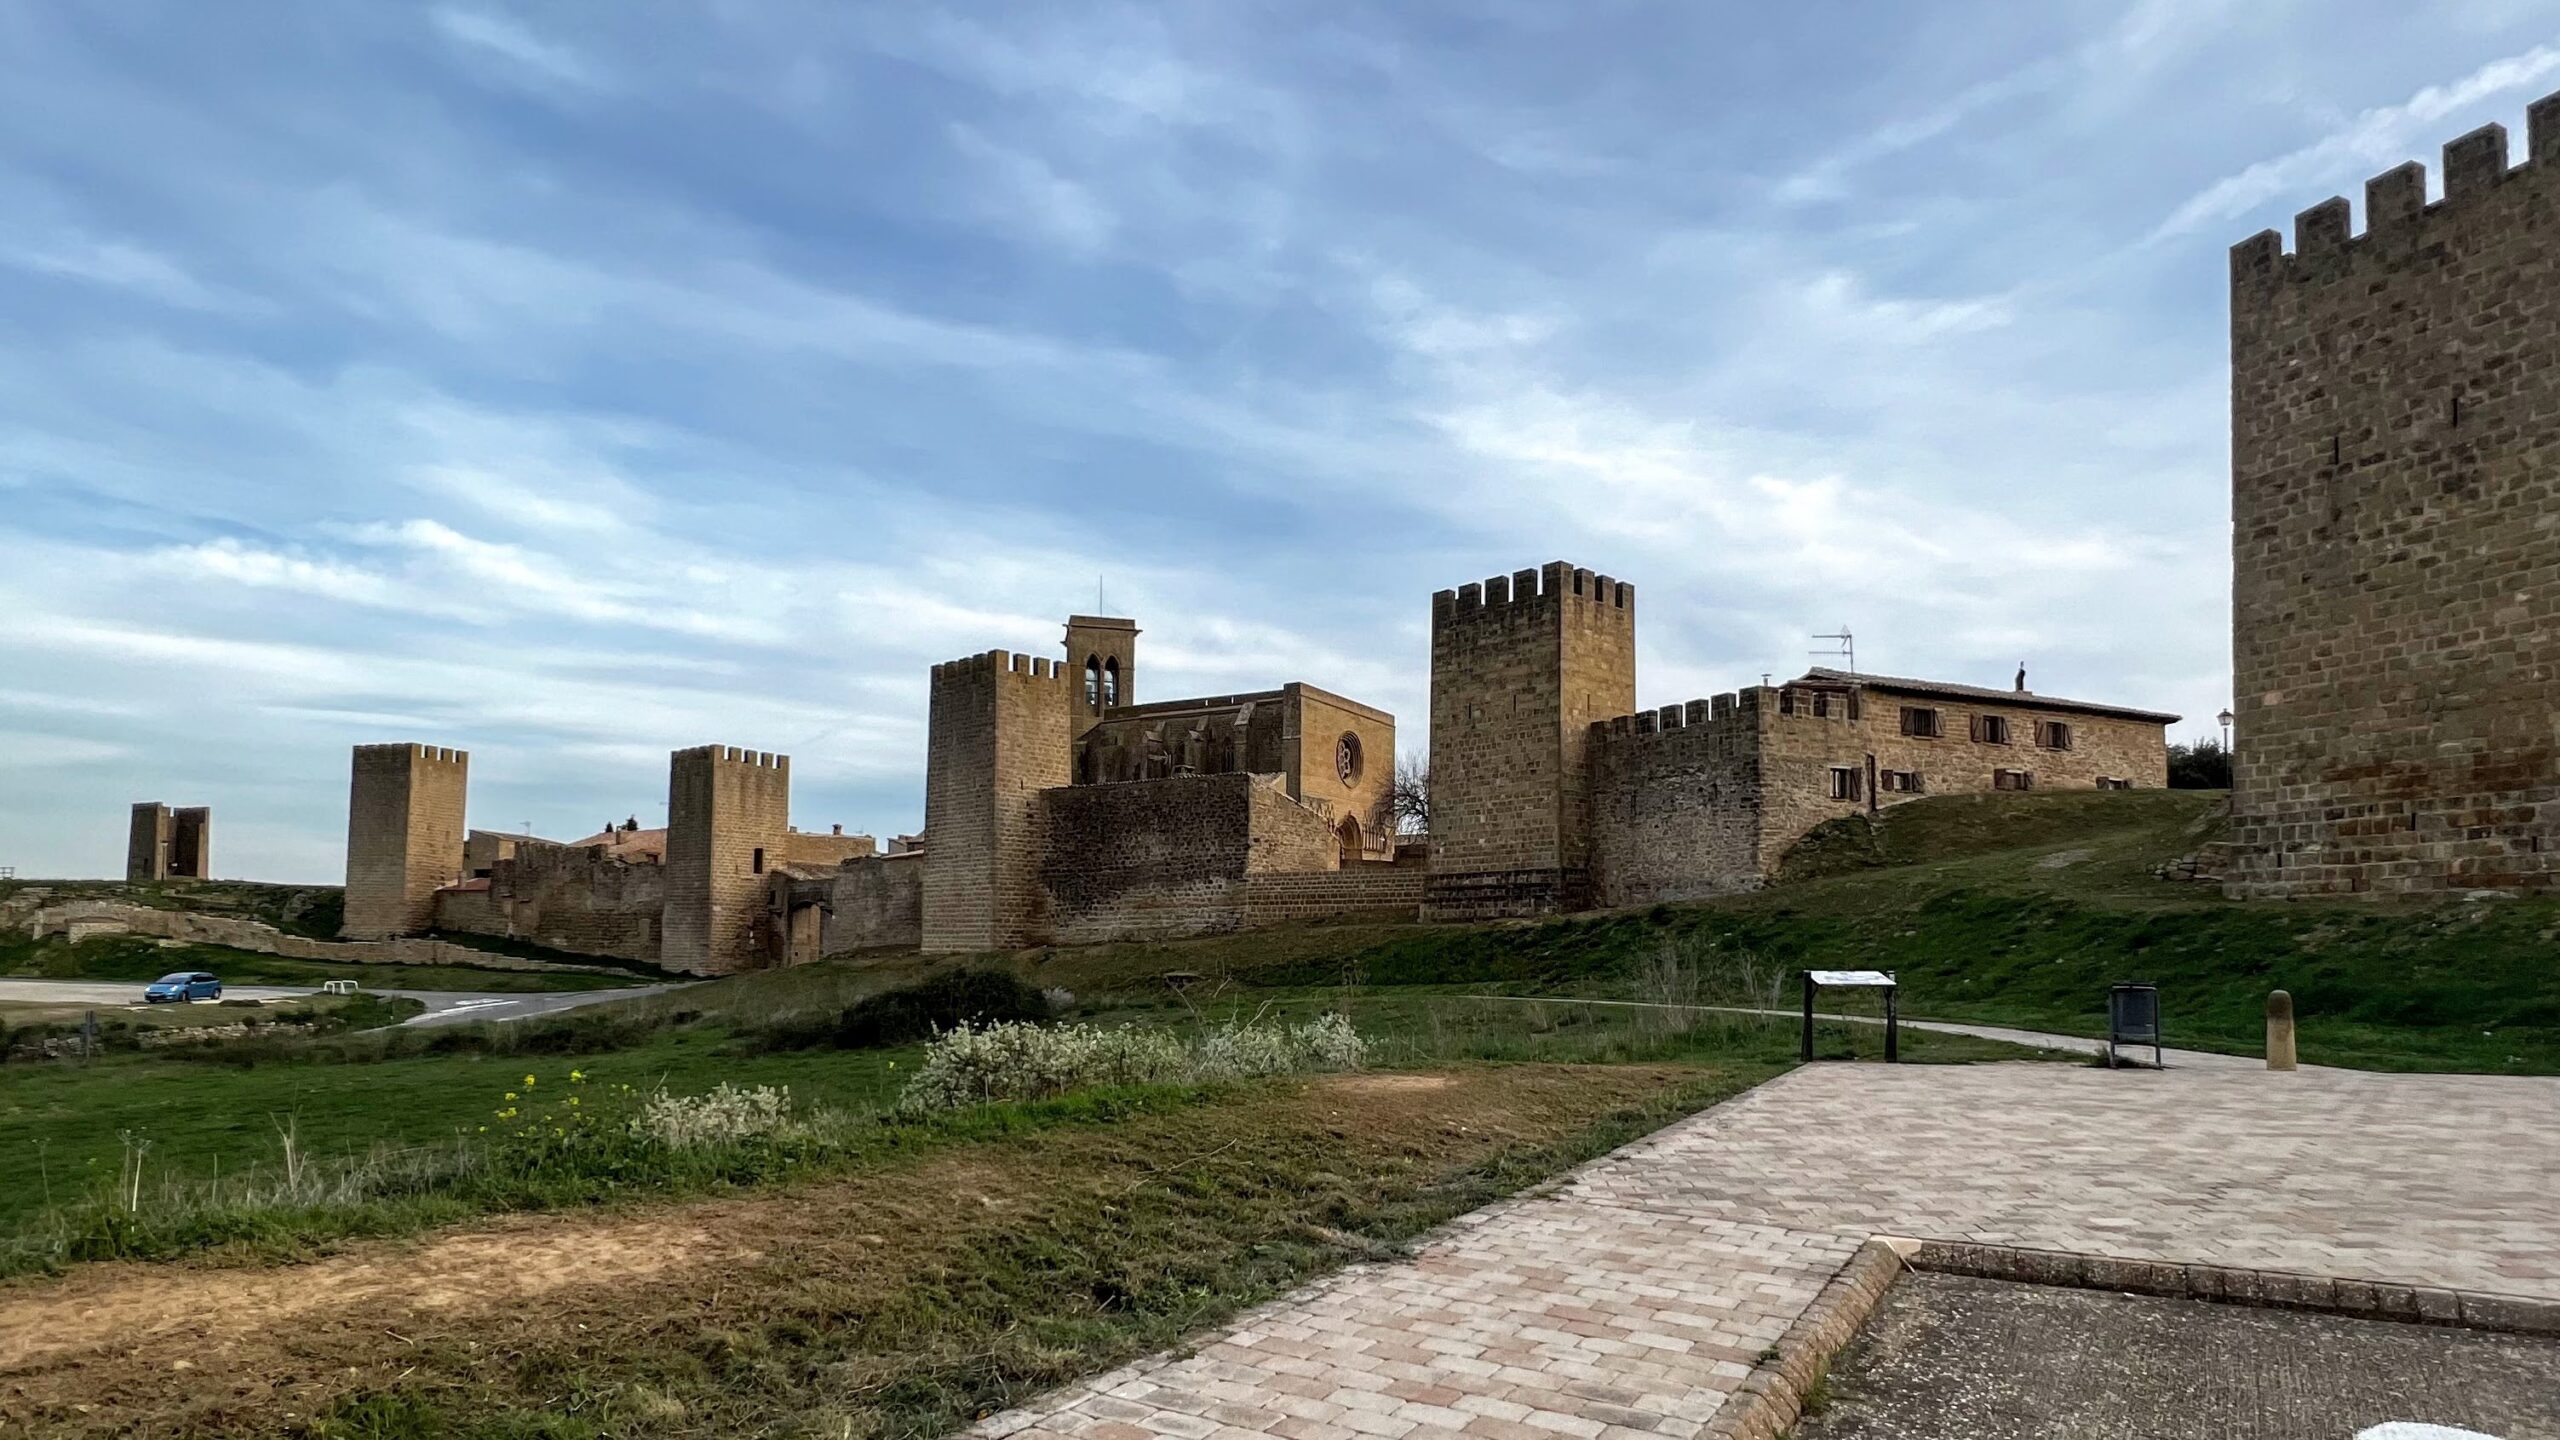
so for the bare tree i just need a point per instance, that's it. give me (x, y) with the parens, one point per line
(1409, 795)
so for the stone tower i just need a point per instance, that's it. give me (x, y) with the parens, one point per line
(404, 836)
(2395, 447)
(1521, 666)
(165, 844)
(1001, 731)
(1102, 665)
(728, 811)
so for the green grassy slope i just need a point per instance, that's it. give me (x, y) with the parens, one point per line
(2006, 909)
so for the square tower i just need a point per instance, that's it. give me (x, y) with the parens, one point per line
(1102, 665)
(2395, 452)
(191, 843)
(728, 816)
(1001, 730)
(146, 846)
(404, 836)
(1521, 665)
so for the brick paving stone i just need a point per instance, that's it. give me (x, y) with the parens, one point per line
(1628, 1303)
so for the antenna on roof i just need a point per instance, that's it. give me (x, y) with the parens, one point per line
(1100, 606)
(1844, 647)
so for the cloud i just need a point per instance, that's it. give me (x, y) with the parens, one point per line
(116, 264)
(1023, 189)
(506, 39)
(2376, 140)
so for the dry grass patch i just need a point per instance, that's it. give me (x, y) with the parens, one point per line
(899, 1301)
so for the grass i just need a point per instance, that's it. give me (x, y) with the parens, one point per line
(2011, 910)
(313, 911)
(141, 960)
(945, 1272)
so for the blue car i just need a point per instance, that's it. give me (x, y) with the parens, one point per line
(184, 985)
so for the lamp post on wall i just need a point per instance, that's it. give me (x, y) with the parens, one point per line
(2225, 718)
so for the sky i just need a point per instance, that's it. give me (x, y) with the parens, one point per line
(575, 383)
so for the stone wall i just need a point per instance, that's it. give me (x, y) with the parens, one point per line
(799, 848)
(404, 836)
(1152, 859)
(1521, 665)
(1676, 802)
(573, 898)
(1367, 889)
(728, 825)
(2395, 404)
(876, 903)
(80, 919)
(1706, 798)
(999, 735)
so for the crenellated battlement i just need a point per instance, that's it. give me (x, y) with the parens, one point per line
(2395, 202)
(1001, 662)
(734, 755)
(1734, 711)
(1546, 586)
(423, 754)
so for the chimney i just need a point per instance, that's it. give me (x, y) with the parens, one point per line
(838, 829)
(2022, 677)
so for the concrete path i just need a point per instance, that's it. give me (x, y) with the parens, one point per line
(1627, 1303)
(2032, 1039)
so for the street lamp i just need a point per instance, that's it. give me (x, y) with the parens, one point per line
(2225, 718)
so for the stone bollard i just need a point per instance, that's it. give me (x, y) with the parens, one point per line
(2279, 1030)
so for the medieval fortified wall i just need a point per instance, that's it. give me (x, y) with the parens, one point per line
(2395, 495)
(1550, 791)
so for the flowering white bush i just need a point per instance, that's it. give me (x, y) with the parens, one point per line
(1029, 1062)
(725, 1116)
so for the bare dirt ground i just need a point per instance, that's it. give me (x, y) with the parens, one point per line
(734, 1314)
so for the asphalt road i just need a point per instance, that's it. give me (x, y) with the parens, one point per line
(444, 1007)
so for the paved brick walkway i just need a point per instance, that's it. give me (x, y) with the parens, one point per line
(1627, 1303)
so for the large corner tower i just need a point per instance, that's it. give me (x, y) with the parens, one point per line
(728, 813)
(1000, 733)
(1521, 665)
(2395, 447)
(404, 836)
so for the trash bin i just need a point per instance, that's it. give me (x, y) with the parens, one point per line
(2133, 1018)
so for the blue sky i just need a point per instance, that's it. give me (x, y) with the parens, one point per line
(574, 383)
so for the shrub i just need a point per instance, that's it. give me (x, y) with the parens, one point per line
(724, 1117)
(973, 1066)
(958, 1000)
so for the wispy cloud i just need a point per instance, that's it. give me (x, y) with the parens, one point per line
(508, 40)
(2375, 140)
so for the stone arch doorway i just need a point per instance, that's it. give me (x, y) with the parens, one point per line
(1354, 842)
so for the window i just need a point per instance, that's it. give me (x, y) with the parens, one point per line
(1821, 705)
(1921, 721)
(1110, 683)
(2108, 782)
(1786, 702)
(2013, 780)
(2053, 734)
(759, 859)
(1093, 682)
(1899, 782)
(1346, 760)
(1991, 729)
(1844, 782)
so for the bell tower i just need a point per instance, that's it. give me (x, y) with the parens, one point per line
(1102, 666)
